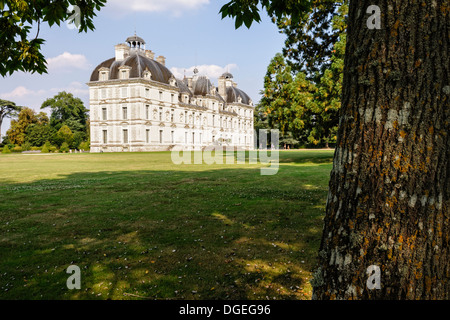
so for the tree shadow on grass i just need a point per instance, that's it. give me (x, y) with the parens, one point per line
(161, 235)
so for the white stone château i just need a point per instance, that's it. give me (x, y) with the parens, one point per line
(136, 104)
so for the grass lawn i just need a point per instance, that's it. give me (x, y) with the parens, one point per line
(139, 226)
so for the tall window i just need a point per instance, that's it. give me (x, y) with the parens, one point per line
(105, 136)
(214, 121)
(193, 137)
(104, 114)
(160, 114)
(124, 113)
(124, 92)
(172, 136)
(186, 138)
(147, 135)
(160, 136)
(185, 118)
(125, 135)
(147, 112)
(171, 115)
(160, 95)
(172, 98)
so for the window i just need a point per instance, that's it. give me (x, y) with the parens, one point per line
(147, 135)
(193, 137)
(172, 98)
(105, 136)
(147, 112)
(185, 137)
(147, 93)
(160, 114)
(125, 135)
(124, 113)
(200, 138)
(172, 136)
(214, 121)
(160, 136)
(104, 114)
(124, 92)
(171, 115)
(160, 95)
(185, 118)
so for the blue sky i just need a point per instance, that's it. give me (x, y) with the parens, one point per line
(188, 33)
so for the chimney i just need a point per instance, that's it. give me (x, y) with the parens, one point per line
(150, 54)
(222, 87)
(122, 51)
(162, 60)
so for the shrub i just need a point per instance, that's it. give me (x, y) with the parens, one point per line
(6, 149)
(17, 149)
(46, 147)
(84, 146)
(36, 148)
(26, 146)
(64, 147)
(53, 149)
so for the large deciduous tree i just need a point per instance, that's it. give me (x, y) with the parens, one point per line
(8, 109)
(388, 208)
(20, 46)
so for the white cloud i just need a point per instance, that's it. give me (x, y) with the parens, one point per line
(176, 7)
(23, 96)
(20, 92)
(68, 61)
(211, 71)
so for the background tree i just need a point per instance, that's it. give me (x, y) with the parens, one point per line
(66, 110)
(19, 49)
(8, 109)
(388, 203)
(307, 109)
(310, 42)
(16, 133)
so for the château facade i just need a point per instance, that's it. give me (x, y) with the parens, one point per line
(136, 104)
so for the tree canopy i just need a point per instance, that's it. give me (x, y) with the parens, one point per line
(20, 49)
(8, 109)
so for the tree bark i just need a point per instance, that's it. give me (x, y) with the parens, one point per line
(388, 201)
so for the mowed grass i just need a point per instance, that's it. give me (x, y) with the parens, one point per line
(141, 227)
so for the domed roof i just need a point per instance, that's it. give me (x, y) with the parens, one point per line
(202, 86)
(183, 87)
(138, 63)
(227, 75)
(135, 38)
(233, 95)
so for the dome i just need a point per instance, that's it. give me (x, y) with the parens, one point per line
(227, 75)
(233, 95)
(202, 86)
(136, 39)
(138, 64)
(183, 87)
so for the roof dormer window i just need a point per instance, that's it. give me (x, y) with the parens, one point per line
(147, 75)
(124, 72)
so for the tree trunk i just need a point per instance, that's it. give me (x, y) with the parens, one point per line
(388, 201)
